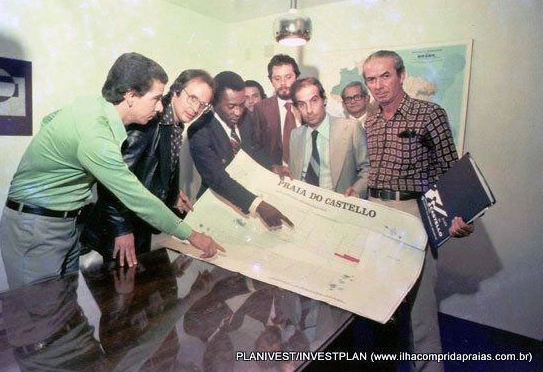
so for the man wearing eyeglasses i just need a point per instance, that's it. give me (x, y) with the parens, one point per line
(152, 154)
(214, 141)
(76, 146)
(355, 100)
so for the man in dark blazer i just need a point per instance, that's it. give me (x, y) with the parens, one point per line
(214, 141)
(271, 116)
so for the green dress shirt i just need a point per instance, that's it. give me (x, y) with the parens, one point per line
(76, 146)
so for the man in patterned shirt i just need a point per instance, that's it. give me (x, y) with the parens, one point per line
(410, 145)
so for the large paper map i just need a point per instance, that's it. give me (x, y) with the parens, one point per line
(348, 252)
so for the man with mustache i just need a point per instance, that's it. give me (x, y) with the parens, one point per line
(275, 117)
(76, 146)
(152, 153)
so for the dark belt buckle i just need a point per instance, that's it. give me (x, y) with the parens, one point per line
(386, 194)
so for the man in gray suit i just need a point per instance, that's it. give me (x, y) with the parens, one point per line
(327, 152)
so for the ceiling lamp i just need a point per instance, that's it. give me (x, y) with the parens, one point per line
(293, 28)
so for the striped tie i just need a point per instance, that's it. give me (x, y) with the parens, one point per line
(234, 139)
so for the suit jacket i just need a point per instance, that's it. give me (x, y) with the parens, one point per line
(349, 162)
(266, 120)
(212, 151)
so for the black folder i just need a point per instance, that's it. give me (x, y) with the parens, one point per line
(461, 191)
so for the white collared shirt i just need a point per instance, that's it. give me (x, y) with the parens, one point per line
(226, 128)
(323, 145)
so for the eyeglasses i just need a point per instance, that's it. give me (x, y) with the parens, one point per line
(195, 102)
(355, 98)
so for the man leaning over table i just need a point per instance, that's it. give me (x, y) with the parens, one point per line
(151, 152)
(76, 146)
(214, 141)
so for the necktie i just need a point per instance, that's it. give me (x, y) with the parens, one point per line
(234, 139)
(313, 169)
(290, 124)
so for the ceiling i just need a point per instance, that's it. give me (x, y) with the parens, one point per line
(241, 10)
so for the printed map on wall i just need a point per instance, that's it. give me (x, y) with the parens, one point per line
(439, 73)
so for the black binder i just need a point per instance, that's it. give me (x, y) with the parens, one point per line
(461, 191)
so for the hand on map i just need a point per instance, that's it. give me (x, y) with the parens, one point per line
(205, 243)
(282, 170)
(271, 216)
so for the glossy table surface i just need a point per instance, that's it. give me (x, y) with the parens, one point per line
(169, 313)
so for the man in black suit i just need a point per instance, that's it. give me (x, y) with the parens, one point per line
(214, 141)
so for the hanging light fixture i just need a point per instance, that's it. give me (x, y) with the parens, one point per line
(293, 28)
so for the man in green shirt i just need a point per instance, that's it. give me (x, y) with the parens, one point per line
(76, 146)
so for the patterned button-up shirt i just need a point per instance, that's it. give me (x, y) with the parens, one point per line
(409, 151)
(176, 133)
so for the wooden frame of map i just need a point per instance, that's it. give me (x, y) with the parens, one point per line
(434, 72)
(15, 97)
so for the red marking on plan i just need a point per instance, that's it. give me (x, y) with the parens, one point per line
(348, 257)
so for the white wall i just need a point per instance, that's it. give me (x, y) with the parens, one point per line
(72, 44)
(494, 277)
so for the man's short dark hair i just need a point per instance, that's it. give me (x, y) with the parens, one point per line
(280, 60)
(398, 61)
(227, 80)
(131, 72)
(305, 82)
(255, 84)
(184, 77)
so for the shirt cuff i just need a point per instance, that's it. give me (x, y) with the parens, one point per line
(254, 204)
(183, 230)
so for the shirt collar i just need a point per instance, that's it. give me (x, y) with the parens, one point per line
(323, 128)
(361, 118)
(114, 120)
(167, 116)
(405, 105)
(281, 102)
(224, 126)
(403, 110)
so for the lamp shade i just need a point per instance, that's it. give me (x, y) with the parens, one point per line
(292, 29)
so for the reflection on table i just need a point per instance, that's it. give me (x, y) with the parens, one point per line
(169, 313)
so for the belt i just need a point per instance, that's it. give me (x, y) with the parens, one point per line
(70, 324)
(384, 194)
(34, 209)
